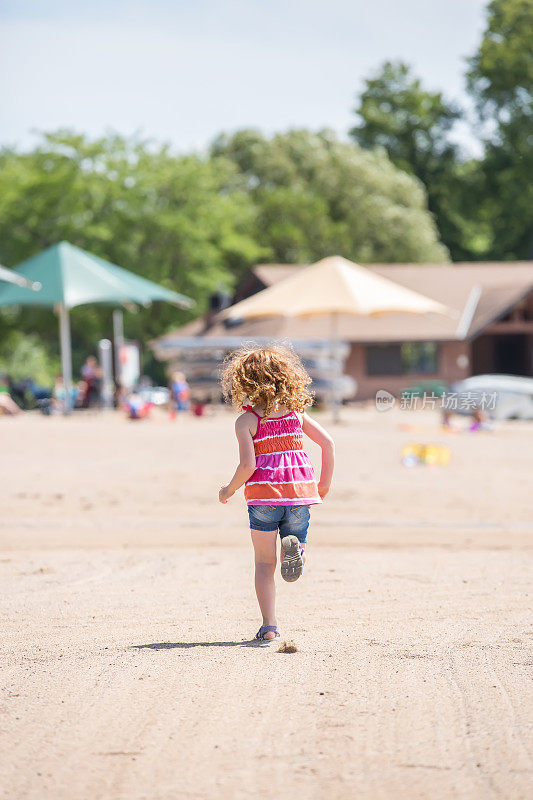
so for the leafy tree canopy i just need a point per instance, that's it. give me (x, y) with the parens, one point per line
(184, 222)
(501, 72)
(483, 206)
(501, 81)
(411, 123)
(316, 196)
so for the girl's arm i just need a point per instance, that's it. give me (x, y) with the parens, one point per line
(322, 438)
(246, 465)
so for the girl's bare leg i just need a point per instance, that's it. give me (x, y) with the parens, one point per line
(264, 543)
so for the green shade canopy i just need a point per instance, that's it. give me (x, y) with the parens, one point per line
(72, 277)
(69, 277)
(8, 276)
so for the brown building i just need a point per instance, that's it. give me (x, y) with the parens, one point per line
(489, 328)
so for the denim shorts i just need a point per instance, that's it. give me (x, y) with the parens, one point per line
(289, 519)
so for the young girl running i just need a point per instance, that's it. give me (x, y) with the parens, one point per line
(270, 385)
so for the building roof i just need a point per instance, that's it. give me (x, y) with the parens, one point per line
(501, 284)
(477, 293)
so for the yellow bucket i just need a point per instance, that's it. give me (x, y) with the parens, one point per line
(434, 455)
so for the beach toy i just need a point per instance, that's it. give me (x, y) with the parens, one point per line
(433, 455)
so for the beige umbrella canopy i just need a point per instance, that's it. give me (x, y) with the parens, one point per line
(333, 286)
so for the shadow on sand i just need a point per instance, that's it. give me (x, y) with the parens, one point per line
(187, 645)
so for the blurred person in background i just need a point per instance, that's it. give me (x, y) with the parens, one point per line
(179, 394)
(202, 405)
(480, 421)
(92, 375)
(59, 395)
(136, 407)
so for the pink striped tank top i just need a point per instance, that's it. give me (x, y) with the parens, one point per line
(283, 476)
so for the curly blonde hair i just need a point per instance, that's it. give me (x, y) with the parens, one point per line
(268, 377)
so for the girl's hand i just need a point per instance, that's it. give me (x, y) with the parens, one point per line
(322, 490)
(224, 494)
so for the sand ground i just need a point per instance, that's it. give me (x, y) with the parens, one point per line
(127, 610)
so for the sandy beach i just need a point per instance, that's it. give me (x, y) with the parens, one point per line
(127, 670)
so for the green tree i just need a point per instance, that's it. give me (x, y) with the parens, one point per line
(500, 79)
(185, 222)
(413, 125)
(25, 357)
(316, 196)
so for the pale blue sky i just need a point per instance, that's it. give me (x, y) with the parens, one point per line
(182, 72)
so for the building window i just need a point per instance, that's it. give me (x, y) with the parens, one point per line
(409, 358)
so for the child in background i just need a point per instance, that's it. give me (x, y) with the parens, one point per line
(59, 395)
(136, 407)
(479, 421)
(270, 385)
(179, 391)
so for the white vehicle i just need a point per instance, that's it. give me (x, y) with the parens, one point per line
(499, 396)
